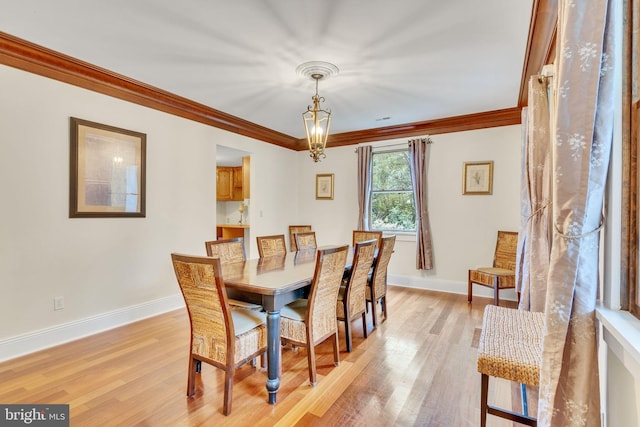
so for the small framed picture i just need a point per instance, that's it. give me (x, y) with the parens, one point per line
(477, 178)
(324, 186)
(107, 171)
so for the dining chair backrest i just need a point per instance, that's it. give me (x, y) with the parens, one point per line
(228, 250)
(305, 241)
(505, 253)
(271, 245)
(362, 235)
(202, 287)
(327, 277)
(379, 277)
(363, 257)
(293, 229)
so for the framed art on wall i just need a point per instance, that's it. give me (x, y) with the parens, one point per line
(324, 186)
(477, 178)
(107, 171)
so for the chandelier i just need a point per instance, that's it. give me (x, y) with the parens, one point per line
(316, 120)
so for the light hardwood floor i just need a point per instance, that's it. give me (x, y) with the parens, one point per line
(418, 368)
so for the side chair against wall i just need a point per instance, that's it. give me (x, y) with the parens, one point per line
(305, 241)
(221, 337)
(352, 295)
(293, 229)
(503, 273)
(363, 235)
(377, 283)
(230, 250)
(308, 322)
(271, 245)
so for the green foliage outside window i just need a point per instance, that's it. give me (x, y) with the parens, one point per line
(392, 205)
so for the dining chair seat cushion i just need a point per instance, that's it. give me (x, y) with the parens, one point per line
(510, 345)
(485, 275)
(295, 310)
(234, 303)
(246, 320)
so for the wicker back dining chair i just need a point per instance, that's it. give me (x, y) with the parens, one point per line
(230, 251)
(352, 296)
(503, 273)
(308, 322)
(363, 235)
(221, 337)
(377, 283)
(306, 241)
(271, 245)
(293, 229)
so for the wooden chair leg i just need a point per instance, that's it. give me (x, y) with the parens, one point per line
(336, 349)
(469, 288)
(311, 359)
(484, 393)
(383, 304)
(347, 332)
(374, 309)
(496, 291)
(364, 325)
(191, 376)
(228, 387)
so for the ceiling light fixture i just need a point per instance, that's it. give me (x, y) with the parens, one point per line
(317, 120)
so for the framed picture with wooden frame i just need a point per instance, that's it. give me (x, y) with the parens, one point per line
(324, 186)
(477, 178)
(107, 171)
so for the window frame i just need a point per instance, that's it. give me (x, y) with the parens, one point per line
(630, 285)
(371, 193)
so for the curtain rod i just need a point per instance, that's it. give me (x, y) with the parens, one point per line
(398, 144)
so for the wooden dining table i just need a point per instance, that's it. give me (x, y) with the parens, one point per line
(272, 282)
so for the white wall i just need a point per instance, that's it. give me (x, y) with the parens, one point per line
(112, 271)
(109, 271)
(464, 227)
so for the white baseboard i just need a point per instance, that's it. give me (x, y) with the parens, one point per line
(59, 334)
(451, 286)
(44, 338)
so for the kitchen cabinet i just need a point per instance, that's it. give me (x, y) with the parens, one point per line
(232, 182)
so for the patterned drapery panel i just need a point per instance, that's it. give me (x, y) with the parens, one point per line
(583, 126)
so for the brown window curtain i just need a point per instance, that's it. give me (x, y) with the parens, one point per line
(418, 158)
(364, 185)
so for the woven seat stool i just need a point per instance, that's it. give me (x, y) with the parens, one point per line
(510, 348)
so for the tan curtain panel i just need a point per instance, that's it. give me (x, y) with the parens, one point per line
(569, 394)
(418, 156)
(364, 182)
(532, 266)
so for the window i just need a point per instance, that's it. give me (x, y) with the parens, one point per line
(392, 204)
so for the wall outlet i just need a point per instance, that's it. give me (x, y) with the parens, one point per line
(58, 303)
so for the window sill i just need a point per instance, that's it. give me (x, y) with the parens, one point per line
(401, 236)
(622, 335)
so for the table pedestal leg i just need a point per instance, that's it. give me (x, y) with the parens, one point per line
(273, 354)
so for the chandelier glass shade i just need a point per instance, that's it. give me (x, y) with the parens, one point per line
(316, 124)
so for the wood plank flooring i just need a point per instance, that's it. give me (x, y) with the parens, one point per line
(418, 368)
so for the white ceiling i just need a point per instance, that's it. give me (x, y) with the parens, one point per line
(408, 60)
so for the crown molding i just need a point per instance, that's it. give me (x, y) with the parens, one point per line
(27, 56)
(540, 45)
(487, 119)
(33, 58)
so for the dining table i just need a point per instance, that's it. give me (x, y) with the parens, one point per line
(272, 282)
